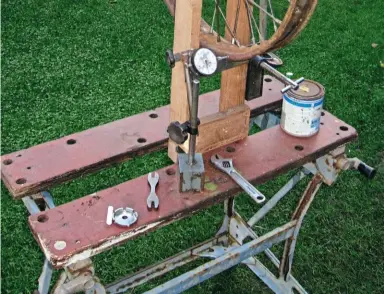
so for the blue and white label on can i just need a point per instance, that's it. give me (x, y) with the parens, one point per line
(301, 117)
(315, 123)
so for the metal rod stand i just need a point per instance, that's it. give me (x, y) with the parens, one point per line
(194, 120)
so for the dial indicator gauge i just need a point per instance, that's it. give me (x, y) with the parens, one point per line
(204, 61)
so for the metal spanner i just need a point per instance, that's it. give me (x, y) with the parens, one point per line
(226, 165)
(152, 197)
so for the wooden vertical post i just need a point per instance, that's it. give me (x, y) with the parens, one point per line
(233, 81)
(186, 36)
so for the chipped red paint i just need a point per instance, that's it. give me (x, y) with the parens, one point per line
(52, 163)
(81, 223)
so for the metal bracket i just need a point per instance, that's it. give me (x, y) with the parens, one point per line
(255, 78)
(79, 277)
(330, 165)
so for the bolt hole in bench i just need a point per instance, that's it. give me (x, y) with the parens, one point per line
(230, 149)
(153, 115)
(344, 128)
(42, 218)
(21, 181)
(170, 171)
(7, 161)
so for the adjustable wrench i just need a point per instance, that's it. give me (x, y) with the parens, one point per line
(152, 197)
(226, 165)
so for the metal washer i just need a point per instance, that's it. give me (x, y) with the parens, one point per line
(125, 216)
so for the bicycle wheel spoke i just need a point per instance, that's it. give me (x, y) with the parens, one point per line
(271, 9)
(256, 26)
(213, 20)
(227, 25)
(249, 13)
(265, 11)
(263, 19)
(236, 19)
(260, 28)
(218, 19)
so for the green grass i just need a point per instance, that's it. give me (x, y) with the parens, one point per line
(71, 65)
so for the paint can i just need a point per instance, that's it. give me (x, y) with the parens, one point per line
(301, 112)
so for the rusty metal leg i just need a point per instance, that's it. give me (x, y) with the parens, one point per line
(276, 198)
(232, 257)
(298, 215)
(46, 273)
(229, 211)
(239, 230)
(131, 281)
(278, 286)
(79, 277)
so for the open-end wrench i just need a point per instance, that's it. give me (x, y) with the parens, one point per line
(226, 165)
(152, 197)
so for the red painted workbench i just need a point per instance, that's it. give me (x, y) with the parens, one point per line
(77, 230)
(81, 223)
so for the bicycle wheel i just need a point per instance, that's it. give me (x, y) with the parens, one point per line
(269, 25)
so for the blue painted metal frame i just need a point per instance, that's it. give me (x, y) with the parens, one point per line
(46, 273)
(226, 261)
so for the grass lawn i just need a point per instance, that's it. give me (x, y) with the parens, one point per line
(70, 65)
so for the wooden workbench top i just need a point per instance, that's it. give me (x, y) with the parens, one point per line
(77, 230)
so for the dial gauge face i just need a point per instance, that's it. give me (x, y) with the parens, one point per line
(205, 61)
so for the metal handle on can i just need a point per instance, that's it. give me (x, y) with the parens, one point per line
(282, 78)
(297, 82)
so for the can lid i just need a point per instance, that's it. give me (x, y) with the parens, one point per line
(308, 90)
